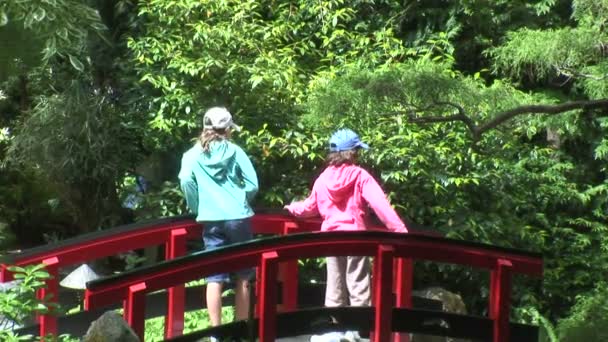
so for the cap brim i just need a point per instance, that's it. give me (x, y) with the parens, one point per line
(363, 145)
(235, 127)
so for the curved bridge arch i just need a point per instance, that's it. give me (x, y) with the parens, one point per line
(173, 232)
(170, 232)
(266, 254)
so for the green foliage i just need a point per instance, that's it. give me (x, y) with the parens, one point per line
(283, 159)
(588, 319)
(539, 53)
(547, 329)
(85, 118)
(474, 26)
(252, 55)
(6, 238)
(167, 200)
(19, 303)
(62, 27)
(79, 141)
(76, 122)
(66, 106)
(28, 209)
(193, 321)
(512, 189)
(591, 12)
(28, 206)
(570, 54)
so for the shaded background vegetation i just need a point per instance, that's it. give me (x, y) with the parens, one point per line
(96, 93)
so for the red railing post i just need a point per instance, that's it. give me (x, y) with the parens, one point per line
(174, 321)
(48, 322)
(404, 278)
(491, 290)
(288, 276)
(500, 307)
(256, 290)
(135, 308)
(5, 275)
(383, 286)
(267, 300)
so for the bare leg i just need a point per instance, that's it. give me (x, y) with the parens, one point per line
(241, 299)
(214, 302)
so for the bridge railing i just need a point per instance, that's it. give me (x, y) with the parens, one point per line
(388, 250)
(172, 233)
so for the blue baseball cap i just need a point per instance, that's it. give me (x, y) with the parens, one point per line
(344, 140)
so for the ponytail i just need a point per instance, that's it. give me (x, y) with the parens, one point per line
(210, 135)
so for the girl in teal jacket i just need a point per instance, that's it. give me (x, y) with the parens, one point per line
(218, 181)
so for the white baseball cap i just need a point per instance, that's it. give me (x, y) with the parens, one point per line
(219, 118)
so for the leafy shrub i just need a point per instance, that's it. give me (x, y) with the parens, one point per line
(193, 321)
(167, 200)
(588, 320)
(19, 303)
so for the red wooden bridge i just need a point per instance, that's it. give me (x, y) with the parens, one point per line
(276, 259)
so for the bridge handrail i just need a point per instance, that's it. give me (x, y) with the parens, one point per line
(170, 231)
(132, 285)
(79, 249)
(94, 245)
(299, 245)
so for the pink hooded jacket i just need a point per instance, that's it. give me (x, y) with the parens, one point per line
(341, 195)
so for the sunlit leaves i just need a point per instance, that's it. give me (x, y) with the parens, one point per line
(572, 54)
(513, 188)
(76, 63)
(3, 18)
(256, 54)
(544, 6)
(19, 302)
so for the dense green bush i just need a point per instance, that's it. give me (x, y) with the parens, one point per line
(588, 319)
(19, 305)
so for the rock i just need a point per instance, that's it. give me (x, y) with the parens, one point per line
(452, 303)
(110, 327)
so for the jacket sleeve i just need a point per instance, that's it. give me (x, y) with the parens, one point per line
(188, 184)
(305, 208)
(250, 177)
(376, 199)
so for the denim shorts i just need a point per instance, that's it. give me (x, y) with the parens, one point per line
(223, 233)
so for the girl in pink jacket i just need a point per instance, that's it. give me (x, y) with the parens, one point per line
(341, 196)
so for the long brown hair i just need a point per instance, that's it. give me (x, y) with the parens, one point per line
(342, 157)
(210, 135)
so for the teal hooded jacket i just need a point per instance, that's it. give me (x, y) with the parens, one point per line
(218, 185)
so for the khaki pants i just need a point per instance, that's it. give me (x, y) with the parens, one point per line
(348, 278)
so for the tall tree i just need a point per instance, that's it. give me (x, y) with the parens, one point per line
(71, 128)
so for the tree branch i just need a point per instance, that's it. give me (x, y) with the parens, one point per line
(461, 116)
(569, 72)
(502, 117)
(478, 130)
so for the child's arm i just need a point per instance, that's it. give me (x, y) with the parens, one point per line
(250, 177)
(307, 207)
(188, 185)
(375, 197)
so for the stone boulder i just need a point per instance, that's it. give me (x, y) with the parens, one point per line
(451, 302)
(110, 327)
